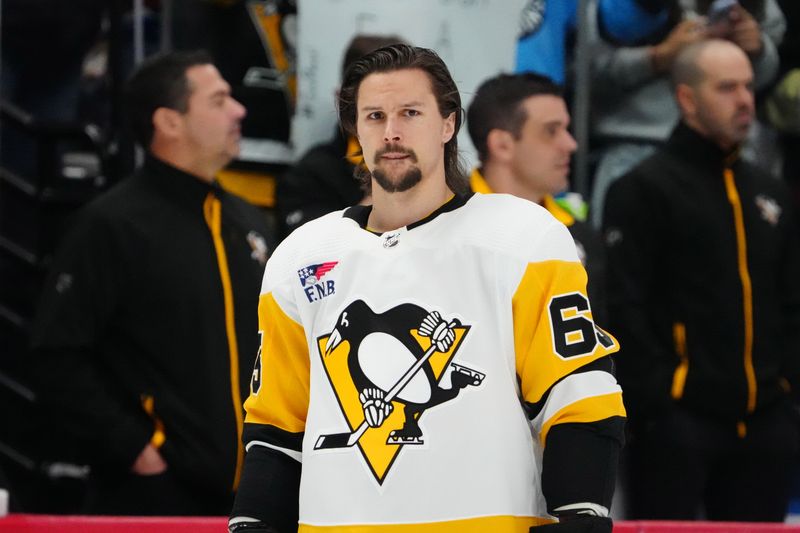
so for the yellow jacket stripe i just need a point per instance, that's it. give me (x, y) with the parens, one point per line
(679, 377)
(158, 437)
(747, 288)
(212, 210)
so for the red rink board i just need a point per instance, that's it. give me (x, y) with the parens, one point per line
(22, 523)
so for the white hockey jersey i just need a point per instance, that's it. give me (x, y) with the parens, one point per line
(396, 367)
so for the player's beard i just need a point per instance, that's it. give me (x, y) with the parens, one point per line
(411, 177)
(407, 180)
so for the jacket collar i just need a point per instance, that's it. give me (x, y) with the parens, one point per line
(478, 184)
(175, 183)
(705, 153)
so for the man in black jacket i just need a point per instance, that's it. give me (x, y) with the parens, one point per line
(705, 296)
(146, 332)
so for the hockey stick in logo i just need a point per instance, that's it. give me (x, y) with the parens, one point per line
(346, 440)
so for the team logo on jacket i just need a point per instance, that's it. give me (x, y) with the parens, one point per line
(311, 280)
(386, 370)
(260, 250)
(770, 210)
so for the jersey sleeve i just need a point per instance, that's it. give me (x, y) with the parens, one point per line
(279, 389)
(557, 342)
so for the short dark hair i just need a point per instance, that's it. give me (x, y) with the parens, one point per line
(404, 57)
(498, 105)
(160, 81)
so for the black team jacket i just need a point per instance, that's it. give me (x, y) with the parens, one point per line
(704, 282)
(147, 328)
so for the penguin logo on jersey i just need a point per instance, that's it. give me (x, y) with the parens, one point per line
(386, 369)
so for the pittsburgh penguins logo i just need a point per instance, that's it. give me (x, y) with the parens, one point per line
(386, 370)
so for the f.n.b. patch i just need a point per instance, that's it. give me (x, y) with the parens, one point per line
(311, 280)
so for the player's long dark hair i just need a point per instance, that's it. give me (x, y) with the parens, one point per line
(398, 57)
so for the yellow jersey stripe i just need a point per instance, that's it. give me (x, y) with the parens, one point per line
(283, 396)
(747, 290)
(584, 411)
(212, 210)
(495, 524)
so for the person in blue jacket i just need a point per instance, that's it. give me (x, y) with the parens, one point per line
(545, 28)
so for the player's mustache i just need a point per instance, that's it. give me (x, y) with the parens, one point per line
(395, 149)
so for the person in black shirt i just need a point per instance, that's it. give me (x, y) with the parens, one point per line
(147, 330)
(705, 297)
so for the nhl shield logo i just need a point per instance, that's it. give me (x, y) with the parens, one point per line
(387, 369)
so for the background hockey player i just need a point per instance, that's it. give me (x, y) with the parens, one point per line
(499, 294)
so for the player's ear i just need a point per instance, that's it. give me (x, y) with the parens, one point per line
(449, 128)
(500, 145)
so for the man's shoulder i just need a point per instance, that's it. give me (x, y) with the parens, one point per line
(650, 173)
(118, 201)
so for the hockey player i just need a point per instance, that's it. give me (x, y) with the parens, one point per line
(460, 317)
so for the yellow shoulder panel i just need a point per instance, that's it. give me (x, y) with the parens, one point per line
(554, 333)
(279, 391)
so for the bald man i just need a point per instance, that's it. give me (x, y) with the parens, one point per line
(704, 294)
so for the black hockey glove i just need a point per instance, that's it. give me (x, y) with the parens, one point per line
(577, 524)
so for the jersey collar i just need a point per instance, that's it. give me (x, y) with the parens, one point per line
(360, 213)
